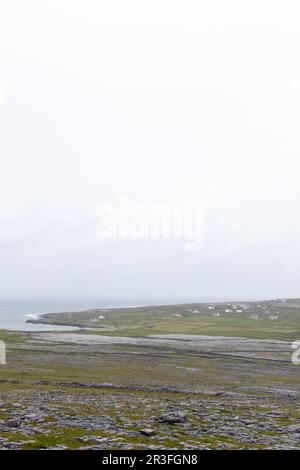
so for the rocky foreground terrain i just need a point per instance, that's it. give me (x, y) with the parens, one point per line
(66, 417)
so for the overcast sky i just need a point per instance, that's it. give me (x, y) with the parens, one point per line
(161, 101)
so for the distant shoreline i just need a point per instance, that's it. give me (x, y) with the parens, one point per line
(95, 317)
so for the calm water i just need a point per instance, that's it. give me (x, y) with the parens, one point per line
(13, 314)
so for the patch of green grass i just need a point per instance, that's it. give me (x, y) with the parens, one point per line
(67, 437)
(188, 319)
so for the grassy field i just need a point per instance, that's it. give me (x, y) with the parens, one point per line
(105, 395)
(255, 321)
(96, 394)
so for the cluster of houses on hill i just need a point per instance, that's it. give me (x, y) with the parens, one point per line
(252, 310)
(261, 311)
(230, 308)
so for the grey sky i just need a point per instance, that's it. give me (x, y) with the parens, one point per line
(162, 101)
